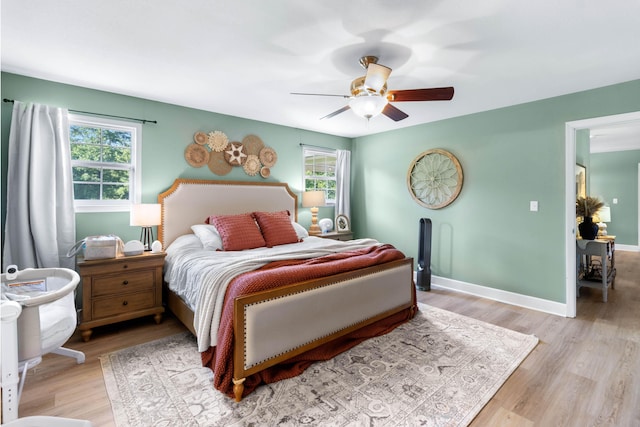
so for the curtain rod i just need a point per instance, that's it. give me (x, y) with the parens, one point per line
(317, 146)
(143, 121)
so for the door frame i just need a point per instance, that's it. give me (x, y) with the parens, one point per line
(570, 209)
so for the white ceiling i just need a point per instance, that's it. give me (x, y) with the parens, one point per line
(245, 57)
(615, 137)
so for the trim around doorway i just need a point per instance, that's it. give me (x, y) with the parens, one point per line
(570, 216)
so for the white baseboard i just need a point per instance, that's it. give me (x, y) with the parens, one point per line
(533, 303)
(627, 248)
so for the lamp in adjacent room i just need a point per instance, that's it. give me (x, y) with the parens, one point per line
(146, 215)
(313, 199)
(601, 218)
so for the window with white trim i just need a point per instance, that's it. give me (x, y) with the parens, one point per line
(320, 172)
(105, 163)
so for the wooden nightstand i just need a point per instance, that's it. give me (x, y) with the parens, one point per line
(120, 289)
(348, 235)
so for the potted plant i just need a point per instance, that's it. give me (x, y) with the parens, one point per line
(586, 207)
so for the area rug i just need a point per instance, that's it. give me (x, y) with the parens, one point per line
(439, 369)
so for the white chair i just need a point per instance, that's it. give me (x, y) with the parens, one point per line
(48, 317)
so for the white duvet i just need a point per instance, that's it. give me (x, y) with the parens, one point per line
(201, 276)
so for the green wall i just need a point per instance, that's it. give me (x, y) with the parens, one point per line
(487, 237)
(164, 144)
(509, 157)
(615, 175)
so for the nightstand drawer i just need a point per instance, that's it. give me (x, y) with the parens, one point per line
(119, 265)
(119, 283)
(122, 304)
(344, 236)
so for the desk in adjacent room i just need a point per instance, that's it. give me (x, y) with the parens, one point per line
(595, 263)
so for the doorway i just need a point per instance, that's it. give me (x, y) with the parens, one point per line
(570, 217)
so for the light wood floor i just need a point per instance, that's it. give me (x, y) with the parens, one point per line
(584, 372)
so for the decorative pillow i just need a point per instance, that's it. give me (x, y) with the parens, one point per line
(300, 230)
(208, 235)
(276, 227)
(238, 232)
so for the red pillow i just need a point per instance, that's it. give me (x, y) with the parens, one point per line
(238, 232)
(276, 227)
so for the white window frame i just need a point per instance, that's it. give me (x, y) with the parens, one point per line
(135, 175)
(311, 151)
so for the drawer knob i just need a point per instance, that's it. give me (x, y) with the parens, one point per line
(125, 302)
(126, 282)
(125, 266)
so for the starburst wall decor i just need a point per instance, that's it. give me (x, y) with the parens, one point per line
(435, 178)
(221, 156)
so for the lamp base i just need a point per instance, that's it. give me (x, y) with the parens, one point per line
(146, 237)
(314, 230)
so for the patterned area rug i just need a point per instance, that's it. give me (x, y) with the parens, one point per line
(439, 369)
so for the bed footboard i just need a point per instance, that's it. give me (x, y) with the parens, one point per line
(271, 327)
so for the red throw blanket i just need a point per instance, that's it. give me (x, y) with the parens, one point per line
(281, 273)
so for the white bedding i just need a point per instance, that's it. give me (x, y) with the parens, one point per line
(200, 276)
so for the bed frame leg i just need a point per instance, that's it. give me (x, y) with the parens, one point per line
(238, 388)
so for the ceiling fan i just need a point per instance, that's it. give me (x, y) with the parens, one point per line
(369, 96)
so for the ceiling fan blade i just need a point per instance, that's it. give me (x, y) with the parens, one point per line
(335, 113)
(433, 94)
(319, 94)
(377, 76)
(394, 113)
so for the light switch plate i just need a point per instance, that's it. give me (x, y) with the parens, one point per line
(533, 206)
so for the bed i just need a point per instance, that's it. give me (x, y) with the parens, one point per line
(261, 332)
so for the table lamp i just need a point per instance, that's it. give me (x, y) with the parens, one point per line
(601, 218)
(313, 199)
(145, 215)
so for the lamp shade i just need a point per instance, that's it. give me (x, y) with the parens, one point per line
(368, 106)
(605, 214)
(145, 215)
(377, 76)
(312, 199)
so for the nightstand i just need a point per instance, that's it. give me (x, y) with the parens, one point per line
(121, 288)
(347, 235)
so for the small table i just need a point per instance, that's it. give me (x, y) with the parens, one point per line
(121, 288)
(595, 264)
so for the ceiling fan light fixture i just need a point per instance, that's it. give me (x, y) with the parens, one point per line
(368, 106)
(369, 95)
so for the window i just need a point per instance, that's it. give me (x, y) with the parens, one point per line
(105, 163)
(320, 172)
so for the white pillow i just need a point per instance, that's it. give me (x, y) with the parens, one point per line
(190, 241)
(300, 230)
(208, 235)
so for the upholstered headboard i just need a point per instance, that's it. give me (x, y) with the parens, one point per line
(190, 202)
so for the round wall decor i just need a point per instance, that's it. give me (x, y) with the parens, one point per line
(196, 155)
(252, 144)
(435, 178)
(218, 164)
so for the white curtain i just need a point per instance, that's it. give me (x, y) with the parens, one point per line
(40, 223)
(343, 182)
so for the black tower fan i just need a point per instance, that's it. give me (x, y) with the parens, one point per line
(423, 282)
